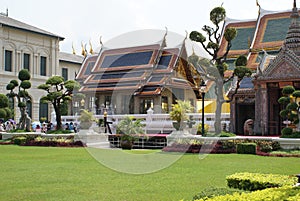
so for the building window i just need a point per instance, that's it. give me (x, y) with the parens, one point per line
(145, 104)
(64, 73)
(178, 94)
(8, 60)
(92, 103)
(127, 104)
(164, 104)
(26, 62)
(107, 101)
(43, 66)
(43, 110)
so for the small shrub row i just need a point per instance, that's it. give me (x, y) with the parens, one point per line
(61, 131)
(219, 147)
(246, 148)
(290, 135)
(211, 192)
(274, 194)
(28, 140)
(255, 181)
(260, 153)
(222, 146)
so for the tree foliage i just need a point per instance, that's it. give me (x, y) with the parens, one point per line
(5, 112)
(21, 94)
(58, 93)
(291, 104)
(216, 70)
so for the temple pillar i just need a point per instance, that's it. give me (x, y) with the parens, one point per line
(232, 126)
(261, 110)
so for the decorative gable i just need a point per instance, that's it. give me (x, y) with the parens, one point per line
(285, 65)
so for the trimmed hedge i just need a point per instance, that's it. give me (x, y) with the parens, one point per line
(255, 181)
(274, 194)
(211, 192)
(246, 148)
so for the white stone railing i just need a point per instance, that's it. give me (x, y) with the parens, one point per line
(156, 122)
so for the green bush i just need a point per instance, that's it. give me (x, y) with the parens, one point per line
(255, 181)
(20, 140)
(60, 131)
(274, 194)
(227, 134)
(246, 148)
(268, 145)
(293, 135)
(212, 192)
(286, 131)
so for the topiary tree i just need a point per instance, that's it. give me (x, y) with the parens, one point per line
(22, 97)
(215, 71)
(292, 105)
(5, 112)
(58, 92)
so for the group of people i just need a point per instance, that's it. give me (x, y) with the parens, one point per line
(49, 126)
(72, 127)
(7, 126)
(44, 128)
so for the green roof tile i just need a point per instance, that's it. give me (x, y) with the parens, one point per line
(276, 29)
(240, 42)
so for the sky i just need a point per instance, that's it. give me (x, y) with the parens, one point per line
(84, 21)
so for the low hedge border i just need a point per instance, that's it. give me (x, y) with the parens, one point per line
(274, 194)
(256, 181)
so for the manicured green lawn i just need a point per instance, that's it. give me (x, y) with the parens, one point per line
(42, 173)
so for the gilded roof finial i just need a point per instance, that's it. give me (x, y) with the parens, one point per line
(257, 4)
(91, 48)
(83, 50)
(100, 40)
(73, 49)
(164, 41)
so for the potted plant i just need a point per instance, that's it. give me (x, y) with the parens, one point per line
(86, 119)
(129, 129)
(179, 114)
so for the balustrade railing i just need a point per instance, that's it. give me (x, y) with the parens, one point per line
(156, 123)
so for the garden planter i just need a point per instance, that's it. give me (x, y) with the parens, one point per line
(126, 144)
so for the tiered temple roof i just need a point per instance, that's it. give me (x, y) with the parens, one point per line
(145, 69)
(254, 37)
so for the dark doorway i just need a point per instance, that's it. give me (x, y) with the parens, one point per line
(275, 121)
(243, 113)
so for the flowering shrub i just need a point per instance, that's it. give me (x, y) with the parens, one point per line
(274, 194)
(255, 181)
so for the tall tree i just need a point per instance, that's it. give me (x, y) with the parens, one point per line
(58, 92)
(22, 96)
(215, 71)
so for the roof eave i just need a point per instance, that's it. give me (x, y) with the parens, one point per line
(36, 32)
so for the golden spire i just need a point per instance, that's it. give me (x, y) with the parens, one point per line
(257, 4)
(91, 48)
(100, 40)
(73, 49)
(83, 50)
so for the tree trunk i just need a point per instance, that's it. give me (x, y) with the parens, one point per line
(58, 117)
(22, 118)
(219, 103)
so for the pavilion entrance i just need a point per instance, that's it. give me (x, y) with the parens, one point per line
(244, 112)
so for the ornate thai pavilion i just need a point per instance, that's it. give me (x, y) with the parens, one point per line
(272, 44)
(134, 79)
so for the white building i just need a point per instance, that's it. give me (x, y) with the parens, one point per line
(25, 46)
